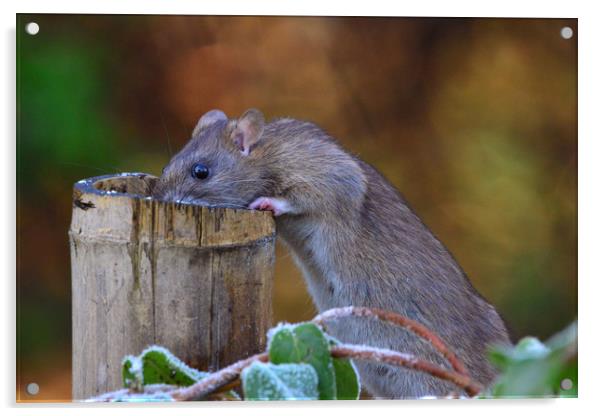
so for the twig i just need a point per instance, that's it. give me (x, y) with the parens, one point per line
(224, 379)
(397, 319)
(216, 380)
(361, 352)
(153, 389)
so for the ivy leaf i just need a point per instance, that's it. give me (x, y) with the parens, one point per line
(305, 343)
(269, 381)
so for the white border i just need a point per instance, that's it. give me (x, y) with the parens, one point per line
(590, 207)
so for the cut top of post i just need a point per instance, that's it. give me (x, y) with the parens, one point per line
(119, 207)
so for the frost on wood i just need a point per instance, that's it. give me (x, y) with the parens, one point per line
(280, 382)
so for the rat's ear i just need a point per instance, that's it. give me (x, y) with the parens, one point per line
(248, 130)
(208, 118)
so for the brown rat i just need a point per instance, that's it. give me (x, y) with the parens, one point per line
(353, 235)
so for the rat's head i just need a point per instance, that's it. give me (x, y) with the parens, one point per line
(217, 166)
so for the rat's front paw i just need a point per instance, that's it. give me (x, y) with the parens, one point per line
(278, 206)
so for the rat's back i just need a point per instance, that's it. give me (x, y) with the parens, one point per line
(382, 255)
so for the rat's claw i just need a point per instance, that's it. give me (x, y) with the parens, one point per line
(278, 206)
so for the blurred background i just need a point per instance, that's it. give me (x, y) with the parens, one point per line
(474, 120)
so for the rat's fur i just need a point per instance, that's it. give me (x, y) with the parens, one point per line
(356, 240)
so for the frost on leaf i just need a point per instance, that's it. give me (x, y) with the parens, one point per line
(157, 365)
(131, 373)
(305, 343)
(280, 382)
(346, 376)
(143, 398)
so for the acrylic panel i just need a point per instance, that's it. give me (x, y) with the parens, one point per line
(402, 191)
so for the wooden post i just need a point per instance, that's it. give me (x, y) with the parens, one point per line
(195, 279)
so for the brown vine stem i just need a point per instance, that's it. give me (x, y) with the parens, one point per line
(119, 394)
(396, 319)
(216, 380)
(361, 352)
(223, 380)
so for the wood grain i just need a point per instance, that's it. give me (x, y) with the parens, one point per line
(195, 279)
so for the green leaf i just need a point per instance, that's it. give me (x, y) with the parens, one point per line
(346, 375)
(280, 382)
(131, 373)
(527, 348)
(305, 343)
(534, 369)
(564, 344)
(156, 365)
(284, 346)
(530, 348)
(161, 366)
(348, 385)
(500, 357)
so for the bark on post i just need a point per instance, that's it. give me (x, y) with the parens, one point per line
(197, 280)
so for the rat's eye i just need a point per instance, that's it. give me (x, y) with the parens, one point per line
(199, 171)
